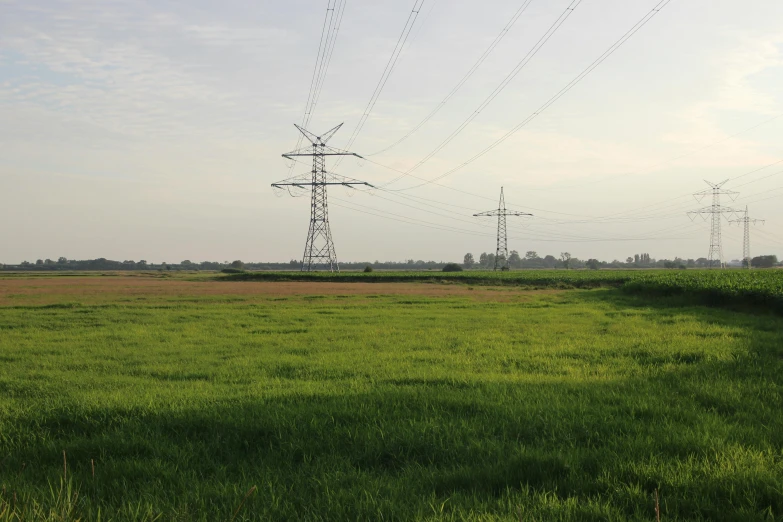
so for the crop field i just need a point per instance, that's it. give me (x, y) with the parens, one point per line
(477, 396)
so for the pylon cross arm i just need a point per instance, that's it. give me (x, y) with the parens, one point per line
(289, 155)
(345, 183)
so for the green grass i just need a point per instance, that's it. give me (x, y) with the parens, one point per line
(572, 405)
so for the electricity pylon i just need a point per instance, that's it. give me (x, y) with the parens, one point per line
(746, 220)
(501, 213)
(716, 211)
(319, 248)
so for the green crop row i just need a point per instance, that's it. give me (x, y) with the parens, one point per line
(715, 287)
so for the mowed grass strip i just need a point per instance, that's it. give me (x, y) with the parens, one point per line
(571, 405)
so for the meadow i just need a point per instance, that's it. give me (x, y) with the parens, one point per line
(223, 398)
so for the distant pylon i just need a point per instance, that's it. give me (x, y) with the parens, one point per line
(746, 220)
(716, 211)
(501, 213)
(319, 248)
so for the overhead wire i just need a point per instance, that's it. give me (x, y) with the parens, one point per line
(590, 68)
(503, 84)
(323, 58)
(517, 14)
(676, 158)
(340, 12)
(390, 65)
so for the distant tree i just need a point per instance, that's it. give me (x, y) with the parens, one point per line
(487, 260)
(62, 261)
(367, 269)
(565, 258)
(629, 260)
(514, 260)
(468, 261)
(669, 264)
(25, 263)
(237, 264)
(550, 261)
(452, 267)
(39, 262)
(531, 254)
(48, 262)
(186, 262)
(757, 262)
(593, 264)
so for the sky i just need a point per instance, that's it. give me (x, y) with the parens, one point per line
(153, 130)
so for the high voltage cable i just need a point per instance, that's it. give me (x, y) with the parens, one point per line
(386, 72)
(494, 94)
(591, 219)
(766, 235)
(465, 78)
(536, 235)
(323, 58)
(611, 50)
(412, 221)
(681, 156)
(555, 235)
(340, 12)
(688, 195)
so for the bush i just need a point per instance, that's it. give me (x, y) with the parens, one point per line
(367, 269)
(452, 267)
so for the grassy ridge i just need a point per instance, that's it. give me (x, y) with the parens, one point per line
(755, 288)
(573, 405)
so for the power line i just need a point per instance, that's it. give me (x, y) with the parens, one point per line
(494, 94)
(323, 58)
(340, 12)
(390, 65)
(611, 50)
(679, 157)
(531, 235)
(465, 78)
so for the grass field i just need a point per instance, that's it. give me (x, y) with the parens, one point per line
(382, 401)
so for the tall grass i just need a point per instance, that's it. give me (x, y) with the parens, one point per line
(573, 405)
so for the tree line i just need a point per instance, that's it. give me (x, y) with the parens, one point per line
(531, 260)
(64, 264)
(565, 260)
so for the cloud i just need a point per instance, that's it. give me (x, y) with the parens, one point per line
(734, 88)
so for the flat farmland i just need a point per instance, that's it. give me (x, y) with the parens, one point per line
(193, 397)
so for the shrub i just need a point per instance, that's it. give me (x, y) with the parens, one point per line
(233, 271)
(367, 269)
(452, 267)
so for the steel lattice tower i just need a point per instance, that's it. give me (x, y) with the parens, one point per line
(715, 211)
(501, 213)
(319, 248)
(746, 220)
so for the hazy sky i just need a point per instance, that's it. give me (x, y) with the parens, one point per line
(140, 129)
